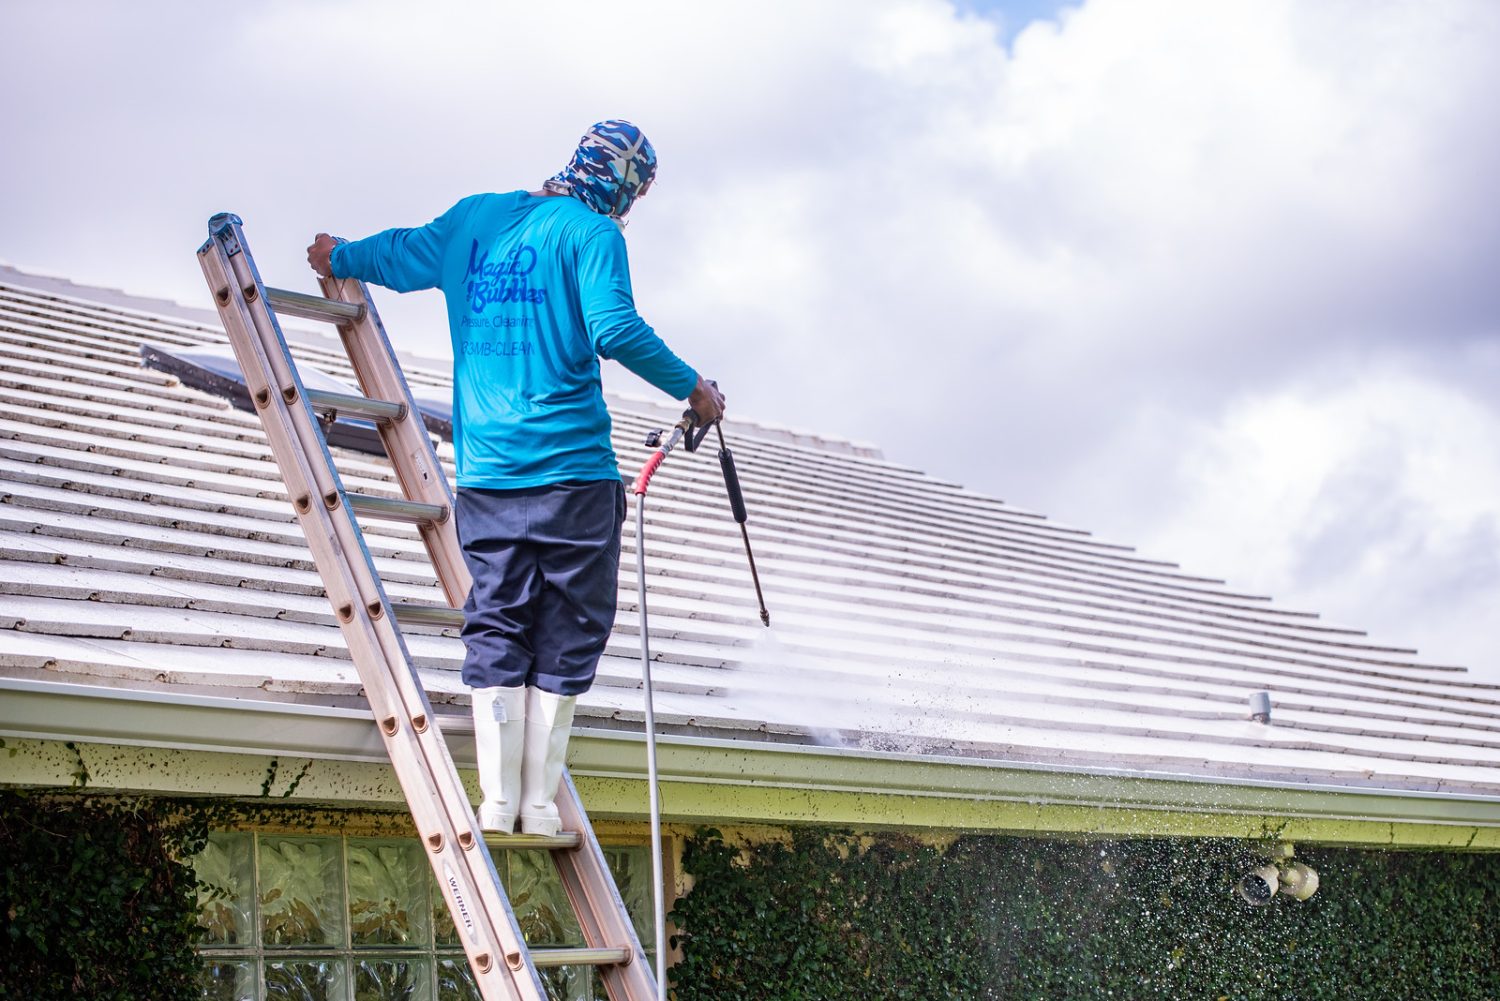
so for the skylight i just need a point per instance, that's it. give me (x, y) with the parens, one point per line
(214, 370)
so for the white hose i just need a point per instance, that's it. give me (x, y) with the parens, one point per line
(658, 891)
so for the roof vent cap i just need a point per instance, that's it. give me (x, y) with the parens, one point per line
(1260, 707)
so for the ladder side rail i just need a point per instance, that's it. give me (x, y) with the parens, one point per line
(268, 348)
(602, 916)
(406, 441)
(275, 374)
(463, 888)
(297, 473)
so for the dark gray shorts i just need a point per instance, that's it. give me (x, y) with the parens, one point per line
(545, 562)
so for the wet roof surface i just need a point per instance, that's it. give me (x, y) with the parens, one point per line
(146, 542)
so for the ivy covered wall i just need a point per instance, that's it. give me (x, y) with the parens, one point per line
(97, 899)
(825, 917)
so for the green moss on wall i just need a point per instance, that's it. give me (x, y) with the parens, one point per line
(835, 916)
(96, 898)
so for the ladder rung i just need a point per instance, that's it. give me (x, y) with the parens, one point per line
(313, 307)
(552, 842)
(413, 614)
(579, 957)
(394, 509)
(347, 405)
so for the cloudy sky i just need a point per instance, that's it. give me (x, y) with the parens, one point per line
(1214, 279)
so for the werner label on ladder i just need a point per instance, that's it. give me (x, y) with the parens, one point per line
(530, 544)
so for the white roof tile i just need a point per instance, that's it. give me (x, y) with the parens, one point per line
(145, 540)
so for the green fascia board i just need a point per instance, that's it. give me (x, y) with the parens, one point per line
(211, 745)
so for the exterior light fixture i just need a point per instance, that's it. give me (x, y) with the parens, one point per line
(1280, 875)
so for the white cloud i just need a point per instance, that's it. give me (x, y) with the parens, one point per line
(1371, 495)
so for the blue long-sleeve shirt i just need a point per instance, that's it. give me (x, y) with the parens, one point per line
(538, 289)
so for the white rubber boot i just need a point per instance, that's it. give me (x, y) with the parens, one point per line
(549, 723)
(499, 732)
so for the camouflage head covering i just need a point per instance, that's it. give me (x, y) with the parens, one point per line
(612, 167)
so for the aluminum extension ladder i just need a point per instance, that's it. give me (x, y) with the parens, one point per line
(502, 964)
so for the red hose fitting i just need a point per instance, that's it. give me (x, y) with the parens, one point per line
(647, 471)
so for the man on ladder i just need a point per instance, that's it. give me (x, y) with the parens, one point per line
(538, 289)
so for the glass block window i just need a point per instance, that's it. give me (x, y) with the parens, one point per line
(309, 918)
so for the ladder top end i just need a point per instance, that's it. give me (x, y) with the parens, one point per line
(219, 220)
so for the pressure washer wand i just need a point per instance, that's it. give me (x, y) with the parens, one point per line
(737, 505)
(690, 434)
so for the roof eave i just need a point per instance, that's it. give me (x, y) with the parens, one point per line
(720, 781)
